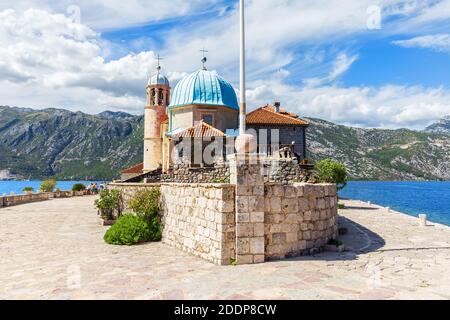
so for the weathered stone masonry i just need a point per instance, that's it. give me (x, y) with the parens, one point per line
(248, 221)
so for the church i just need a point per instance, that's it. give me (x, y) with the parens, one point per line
(203, 109)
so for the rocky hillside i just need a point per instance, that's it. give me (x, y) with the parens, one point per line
(382, 154)
(442, 126)
(67, 145)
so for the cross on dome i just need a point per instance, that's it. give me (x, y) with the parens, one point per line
(204, 59)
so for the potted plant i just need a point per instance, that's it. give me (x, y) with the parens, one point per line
(109, 206)
(28, 190)
(79, 189)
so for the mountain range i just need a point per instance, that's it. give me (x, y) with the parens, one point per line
(73, 145)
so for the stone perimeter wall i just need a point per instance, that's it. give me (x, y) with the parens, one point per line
(298, 218)
(286, 171)
(223, 222)
(197, 218)
(12, 200)
(182, 173)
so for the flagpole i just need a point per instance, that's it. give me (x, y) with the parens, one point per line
(243, 106)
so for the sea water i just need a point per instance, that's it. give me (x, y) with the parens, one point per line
(413, 198)
(17, 186)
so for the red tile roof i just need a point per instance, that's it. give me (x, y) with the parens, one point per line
(134, 169)
(200, 130)
(267, 115)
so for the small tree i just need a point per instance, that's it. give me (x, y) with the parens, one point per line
(329, 171)
(48, 185)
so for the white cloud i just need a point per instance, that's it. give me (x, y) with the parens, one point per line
(341, 64)
(113, 14)
(45, 53)
(48, 60)
(388, 106)
(437, 42)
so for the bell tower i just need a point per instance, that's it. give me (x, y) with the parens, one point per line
(158, 98)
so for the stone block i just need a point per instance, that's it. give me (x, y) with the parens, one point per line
(244, 230)
(306, 235)
(307, 216)
(258, 190)
(258, 229)
(225, 206)
(242, 217)
(242, 204)
(289, 205)
(290, 192)
(291, 237)
(278, 191)
(321, 204)
(257, 217)
(292, 218)
(275, 204)
(266, 204)
(244, 259)
(303, 204)
(257, 245)
(244, 190)
(275, 228)
(243, 246)
(279, 238)
(300, 191)
(255, 204)
(259, 258)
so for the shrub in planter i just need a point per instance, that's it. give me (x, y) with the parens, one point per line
(28, 190)
(48, 185)
(109, 204)
(78, 187)
(130, 229)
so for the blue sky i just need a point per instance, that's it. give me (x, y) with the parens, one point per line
(322, 58)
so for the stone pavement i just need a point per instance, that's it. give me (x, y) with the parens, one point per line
(55, 250)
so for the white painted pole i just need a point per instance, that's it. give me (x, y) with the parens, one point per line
(243, 107)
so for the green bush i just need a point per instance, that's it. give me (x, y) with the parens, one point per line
(329, 171)
(128, 230)
(48, 185)
(78, 187)
(28, 189)
(146, 206)
(109, 203)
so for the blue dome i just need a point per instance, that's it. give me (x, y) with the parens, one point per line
(204, 88)
(158, 79)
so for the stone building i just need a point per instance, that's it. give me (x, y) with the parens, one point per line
(290, 131)
(220, 204)
(202, 112)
